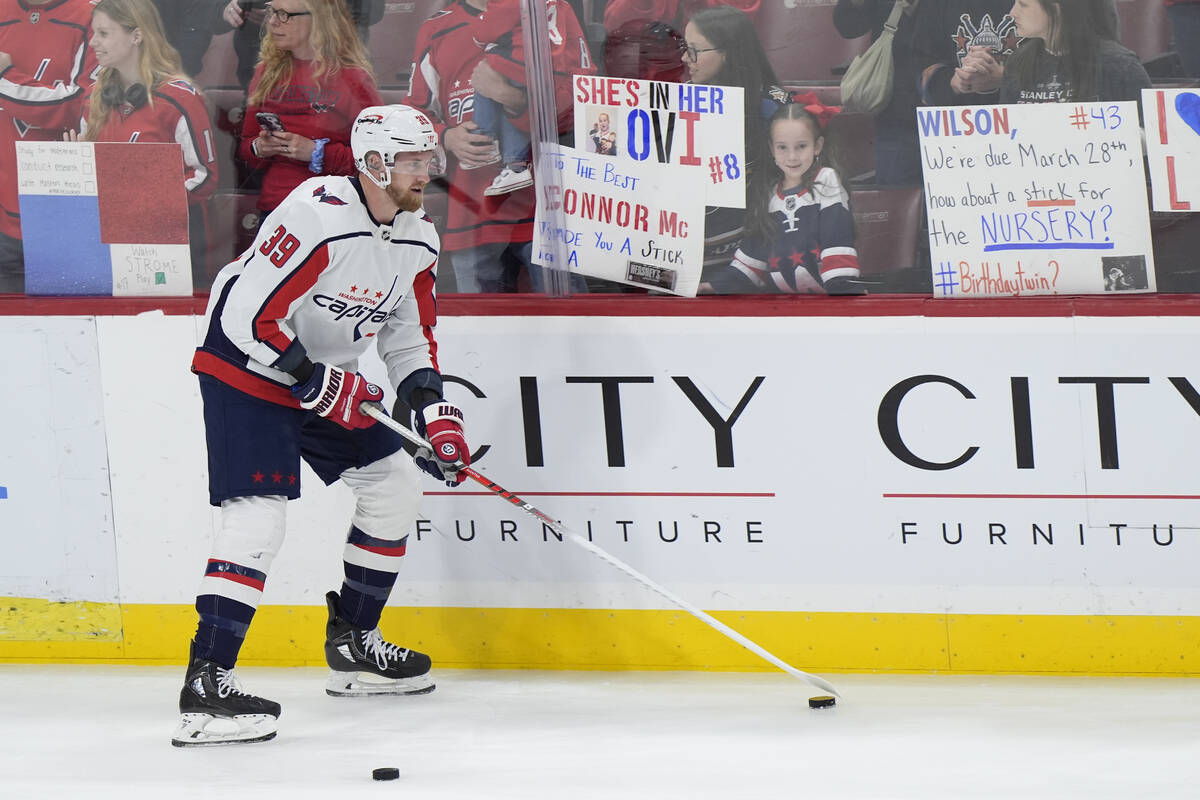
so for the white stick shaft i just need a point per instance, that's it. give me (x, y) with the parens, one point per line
(382, 416)
(703, 616)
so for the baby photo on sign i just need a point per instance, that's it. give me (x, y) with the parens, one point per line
(1124, 273)
(602, 136)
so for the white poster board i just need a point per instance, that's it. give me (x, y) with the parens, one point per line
(636, 223)
(122, 240)
(696, 128)
(1172, 119)
(1036, 199)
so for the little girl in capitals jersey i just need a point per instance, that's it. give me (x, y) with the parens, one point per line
(800, 234)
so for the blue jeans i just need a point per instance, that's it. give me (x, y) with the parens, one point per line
(1185, 31)
(493, 268)
(491, 119)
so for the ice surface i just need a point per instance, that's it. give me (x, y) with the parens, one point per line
(77, 731)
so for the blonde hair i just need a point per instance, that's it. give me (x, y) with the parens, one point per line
(158, 61)
(334, 41)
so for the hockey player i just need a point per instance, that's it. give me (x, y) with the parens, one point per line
(45, 66)
(342, 262)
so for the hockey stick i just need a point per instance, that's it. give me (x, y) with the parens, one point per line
(561, 530)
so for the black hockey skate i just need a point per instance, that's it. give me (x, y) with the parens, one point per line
(215, 710)
(364, 664)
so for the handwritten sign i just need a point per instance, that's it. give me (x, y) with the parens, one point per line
(636, 223)
(101, 218)
(1173, 147)
(1036, 199)
(56, 168)
(694, 127)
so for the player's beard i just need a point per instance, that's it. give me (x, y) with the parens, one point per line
(406, 199)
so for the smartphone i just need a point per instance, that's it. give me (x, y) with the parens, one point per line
(269, 121)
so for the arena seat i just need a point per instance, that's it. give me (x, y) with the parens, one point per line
(855, 137)
(1176, 240)
(232, 224)
(220, 63)
(802, 43)
(1146, 30)
(887, 228)
(393, 38)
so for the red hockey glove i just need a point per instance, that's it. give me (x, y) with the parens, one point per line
(336, 395)
(441, 423)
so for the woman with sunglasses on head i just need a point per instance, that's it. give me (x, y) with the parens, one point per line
(721, 48)
(312, 79)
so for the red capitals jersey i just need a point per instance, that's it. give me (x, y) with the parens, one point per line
(318, 110)
(42, 92)
(446, 54)
(176, 114)
(500, 25)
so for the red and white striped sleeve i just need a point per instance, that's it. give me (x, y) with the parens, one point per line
(193, 132)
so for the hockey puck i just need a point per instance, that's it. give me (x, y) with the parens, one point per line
(822, 701)
(385, 773)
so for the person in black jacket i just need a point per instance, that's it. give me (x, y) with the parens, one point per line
(960, 48)
(897, 160)
(1070, 53)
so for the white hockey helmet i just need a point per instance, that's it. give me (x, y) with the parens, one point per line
(389, 130)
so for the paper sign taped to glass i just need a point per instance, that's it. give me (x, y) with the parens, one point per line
(693, 127)
(104, 218)
(1036, 199)
(638, 223)
(1173, 148)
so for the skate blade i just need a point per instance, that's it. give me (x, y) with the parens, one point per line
(366, 684)
(200, 730)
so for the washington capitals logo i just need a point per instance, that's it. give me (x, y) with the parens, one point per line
(328, 198)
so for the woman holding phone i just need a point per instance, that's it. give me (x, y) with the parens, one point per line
(312, 79)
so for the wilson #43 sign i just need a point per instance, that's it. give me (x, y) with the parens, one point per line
(1036, 199)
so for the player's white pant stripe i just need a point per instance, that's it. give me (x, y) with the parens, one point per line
(359, 557)
(223, 587)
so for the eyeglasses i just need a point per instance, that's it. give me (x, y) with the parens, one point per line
(692, 52)
(282, 16)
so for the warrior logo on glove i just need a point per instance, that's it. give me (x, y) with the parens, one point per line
(331, 393)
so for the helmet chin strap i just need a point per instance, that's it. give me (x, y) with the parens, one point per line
(387, 177)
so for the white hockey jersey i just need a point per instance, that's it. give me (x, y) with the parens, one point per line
(323, 279)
